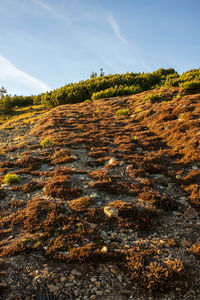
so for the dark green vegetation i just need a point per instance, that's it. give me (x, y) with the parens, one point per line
(105, 87)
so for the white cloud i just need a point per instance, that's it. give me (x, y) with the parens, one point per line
(49, 8)
(113, 23)
(8, 72)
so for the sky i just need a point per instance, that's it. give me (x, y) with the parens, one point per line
(46, 44)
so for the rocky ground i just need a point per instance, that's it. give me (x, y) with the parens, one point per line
(109, 207)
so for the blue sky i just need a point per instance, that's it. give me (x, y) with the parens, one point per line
(48, 43)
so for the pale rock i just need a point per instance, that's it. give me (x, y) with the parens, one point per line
(75, 272)
(190, 213)
(53, 288)
(76, 292)
(129, 168)
(119, 277)
(63, 279)
(69, 285)
(194, 167)
(104, 249)
(98, 284)
(111, 211)
(99, 293)
(112, 160)
(94, 195)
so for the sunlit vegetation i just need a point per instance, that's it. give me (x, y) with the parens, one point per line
(11, 179)
(104, 87)
(153, 98)
(122, 112)
(46, 143)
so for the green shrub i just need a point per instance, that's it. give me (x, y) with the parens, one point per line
(46, 143)
(117, 91)
(153, 98)
(108, 86)
(138, 110)
(122, 112)
(190, 85)
(177, 97)
(11, 179)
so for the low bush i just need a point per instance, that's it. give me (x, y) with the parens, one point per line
(153, 98)
(190, 85)
(122, 112)
(117, 91)
(11, 179)
(46, 143)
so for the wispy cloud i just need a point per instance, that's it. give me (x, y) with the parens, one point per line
(115, 27)
(10, 73)
(49, 8)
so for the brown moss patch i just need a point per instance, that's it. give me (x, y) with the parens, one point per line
(194, 190)
(61, 156)
(38, 215)
(60, 187)
(31, 162)
(80, 204)
(195, 249)
(160, 201)
(150, 271)
(31, 186)
(133, 216)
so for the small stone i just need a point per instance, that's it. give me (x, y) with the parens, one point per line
(111, 211)
(112, 160)
(71, 277)
(75, 272)
(99, 293)
(190, 213)
(194, 167)
(63, 279)
(76, 292)
(93, 226)
(53, 288)
(177, 213)
(119, 277)
(93, 279)
(93, 297)
(68, 285)
(98, 284)
(104, 249)
(129, 168)
(112, 270)
(94, 195)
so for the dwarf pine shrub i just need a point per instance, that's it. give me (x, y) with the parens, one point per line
(153, 98)
(46, 143)
(122, 112)
(11, 179)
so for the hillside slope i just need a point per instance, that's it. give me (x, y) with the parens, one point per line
(109, 207)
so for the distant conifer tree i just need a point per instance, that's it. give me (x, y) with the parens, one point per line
(2, 92)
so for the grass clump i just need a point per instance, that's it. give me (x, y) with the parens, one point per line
(47, 143)
(11, 179)
(153, 98)
(122, 112)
